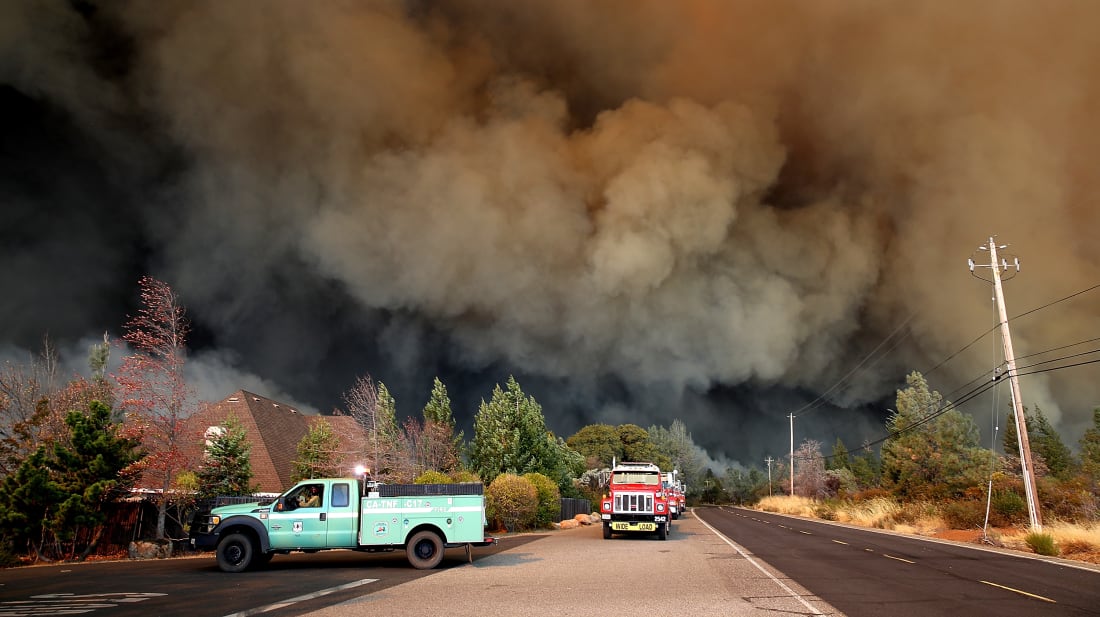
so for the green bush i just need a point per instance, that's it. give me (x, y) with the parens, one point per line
(433, 477)
(511, 502)
(1042, 543)
(549, 510)
(1007, 508)
(964, 514)
(8, 559)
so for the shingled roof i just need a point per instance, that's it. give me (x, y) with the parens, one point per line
(274, 430)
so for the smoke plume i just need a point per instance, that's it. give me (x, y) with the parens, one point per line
(709, 210)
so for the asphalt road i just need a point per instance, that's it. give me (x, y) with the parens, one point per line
(867, 573)
(736, 563)
(563, 573)
(194, 586)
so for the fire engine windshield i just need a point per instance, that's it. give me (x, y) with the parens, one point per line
(636, 477)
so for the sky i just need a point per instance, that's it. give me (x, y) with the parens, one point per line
(718, 211)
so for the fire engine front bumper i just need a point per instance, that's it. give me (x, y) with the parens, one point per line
(621, 522)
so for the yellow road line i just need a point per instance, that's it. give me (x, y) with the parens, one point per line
(839, 542)
(897, 558)
(1023, 593)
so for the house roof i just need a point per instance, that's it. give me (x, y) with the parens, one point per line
(274, 430)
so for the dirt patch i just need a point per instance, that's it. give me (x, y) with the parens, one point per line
(959, 535)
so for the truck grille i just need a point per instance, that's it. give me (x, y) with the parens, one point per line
(634, 503)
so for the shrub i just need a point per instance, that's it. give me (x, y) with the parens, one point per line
(549, 508)
(1007, 508)
(966, 514)
(465, 475)
(1042, 543)
(433, 477)
(511, 502)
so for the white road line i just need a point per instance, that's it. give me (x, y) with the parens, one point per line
(897, 558)
(308, 596)
(1024, 593)
(783, 585)
(839, 542)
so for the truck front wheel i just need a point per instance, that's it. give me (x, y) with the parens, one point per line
(607, 531)
(662, 531)
(425, 550)
(235, 553)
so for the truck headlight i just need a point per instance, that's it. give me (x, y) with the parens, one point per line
(214, 520)
(660, 507)
(607, 505)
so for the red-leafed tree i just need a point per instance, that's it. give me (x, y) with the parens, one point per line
(153, 390)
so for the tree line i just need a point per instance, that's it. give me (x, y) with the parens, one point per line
(68, 450)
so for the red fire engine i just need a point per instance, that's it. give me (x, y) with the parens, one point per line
(636, 501)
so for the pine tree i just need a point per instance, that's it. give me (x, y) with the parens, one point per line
(318, 453)
(1048, 444)
(92, 470)
(510, 435)
(933, 449)
(27, 496)
(59, 494)
(227, 468)
(841, 458)
(1090, 449)
(438, 447)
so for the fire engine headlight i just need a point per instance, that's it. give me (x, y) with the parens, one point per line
(660, 507)
(607, 505)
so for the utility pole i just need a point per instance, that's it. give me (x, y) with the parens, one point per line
(769, 462)
(792, 455)
(1026, 467)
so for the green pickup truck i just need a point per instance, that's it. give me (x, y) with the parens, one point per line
(346, 513)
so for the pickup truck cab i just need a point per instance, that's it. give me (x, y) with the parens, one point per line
(346, 513)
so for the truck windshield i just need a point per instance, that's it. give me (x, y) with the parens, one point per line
(636, 477)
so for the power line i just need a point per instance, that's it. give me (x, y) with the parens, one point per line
(816, 403)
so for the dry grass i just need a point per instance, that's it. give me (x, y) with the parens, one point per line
(878, 512)
(1073, 541)
(785, 504)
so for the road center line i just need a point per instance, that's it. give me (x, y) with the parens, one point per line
(1024, 593)
(897, 558)
(308, 596)
(839, 542)
(761, 568)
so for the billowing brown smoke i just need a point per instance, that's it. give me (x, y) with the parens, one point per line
(674, 195)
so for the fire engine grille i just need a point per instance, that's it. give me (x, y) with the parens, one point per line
(634, 503)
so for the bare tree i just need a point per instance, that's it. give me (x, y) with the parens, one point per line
(33, 405)
(373, 410)
(809, 469)
(154, 392)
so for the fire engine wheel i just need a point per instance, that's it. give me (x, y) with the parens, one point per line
(425, 550)
(235, 553)
(662, 532)
(607, 531)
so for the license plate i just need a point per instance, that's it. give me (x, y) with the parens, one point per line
(634, 526)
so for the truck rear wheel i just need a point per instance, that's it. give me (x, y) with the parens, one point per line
(235, 552)
(425, 550)
(607, 531)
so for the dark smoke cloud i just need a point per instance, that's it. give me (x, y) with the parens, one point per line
(644, 210)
